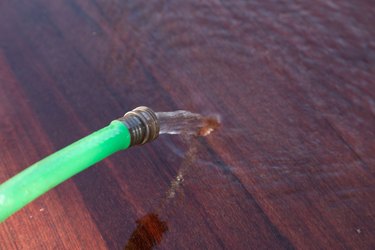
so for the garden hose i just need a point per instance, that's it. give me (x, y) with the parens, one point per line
(136, 127)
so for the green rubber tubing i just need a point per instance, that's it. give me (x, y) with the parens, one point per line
(60, 166)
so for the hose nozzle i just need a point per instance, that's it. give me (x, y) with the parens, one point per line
(143, 125)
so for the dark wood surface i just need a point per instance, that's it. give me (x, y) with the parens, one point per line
(292, 165)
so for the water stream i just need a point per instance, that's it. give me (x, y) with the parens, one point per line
(186, 122)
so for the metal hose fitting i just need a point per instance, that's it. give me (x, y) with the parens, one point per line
(143, 125)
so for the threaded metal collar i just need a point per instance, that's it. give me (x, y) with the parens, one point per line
(143, 125)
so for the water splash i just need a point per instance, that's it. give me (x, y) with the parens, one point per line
(185, 122)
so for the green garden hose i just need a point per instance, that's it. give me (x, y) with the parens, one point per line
(136, 127)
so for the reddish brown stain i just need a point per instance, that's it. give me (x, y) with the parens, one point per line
(149, 233)
(210, 124)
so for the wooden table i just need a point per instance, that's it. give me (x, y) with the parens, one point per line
(292, 165)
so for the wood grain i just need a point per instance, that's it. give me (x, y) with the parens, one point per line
(292, 165)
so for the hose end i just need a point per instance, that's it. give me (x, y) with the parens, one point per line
(143, 125)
